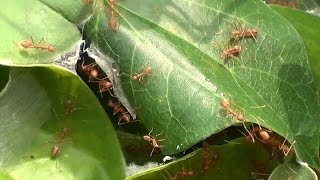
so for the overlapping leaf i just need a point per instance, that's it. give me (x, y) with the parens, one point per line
(270, 81)
(32, 99)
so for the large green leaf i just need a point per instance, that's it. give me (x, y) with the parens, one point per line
(234, 162)
(293, 171)
(271, 81)
(32, 101)
(20, 20)
(308, 26)
(32, 108)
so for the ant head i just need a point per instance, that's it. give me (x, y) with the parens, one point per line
(147, 138)
(225, 103)
(135, 77)
(240, 117)
(105, 84)
(148, 70)
(237, 48)
(26, 44)
(51, 48)
(112, 23)
(65, 130)
(125, 117)
(55, 150)
(224, 53)
(254, 31)
(68, 102)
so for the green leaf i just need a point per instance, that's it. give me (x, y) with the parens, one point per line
(293, 171)
(233, 157)
(73, 10)
(270, 82)
(308, 26)
(4, 175)
(20, 20)
(33, 113)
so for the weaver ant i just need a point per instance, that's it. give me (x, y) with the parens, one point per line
(89, 70)
(112, 22)
(56, 148)
(182, 174)
(231, 52)
(104, 85)
(208, 158)
(271, 141)
(124, 114)
(225, 103)
(142, 74)
(246, 33)
(68, 107)
(152, 140)
(117, 107)
(30, 44)
(261, 134)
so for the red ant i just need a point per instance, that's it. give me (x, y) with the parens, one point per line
(68, 107)
(143, 73)
(89, 70)
(112, 22)
(118, 108)
(261, 134)
(246, 33)
(231, 52)
(30, 44)
(271, 141)
(55, 151)
(225, 103)
(152, 140)
(208, 158)
(105, 85)
(182, 174)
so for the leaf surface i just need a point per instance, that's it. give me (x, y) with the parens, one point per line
(270, 82)
(233, 162)
(34, 112)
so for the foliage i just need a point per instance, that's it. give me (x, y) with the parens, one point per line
(272, 82)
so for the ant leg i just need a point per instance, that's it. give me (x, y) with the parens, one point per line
(32, 40)
(152, 151)
(57, 164)
(150, 132)
(41, 40)
(158, 134)
(128, 122)
(248, 132)
(286, 153)
(281, 146)
(253, 36)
